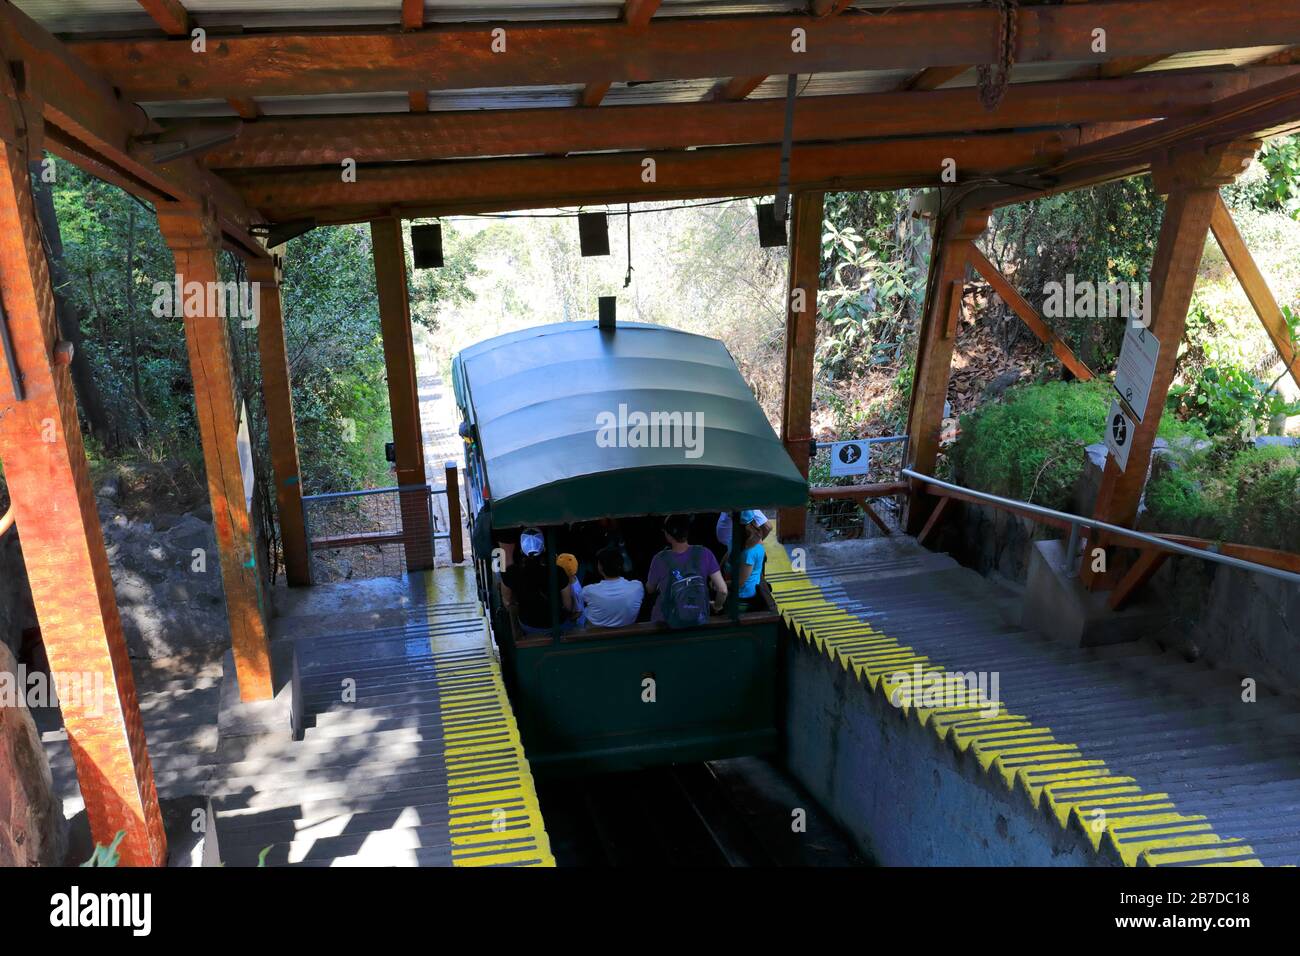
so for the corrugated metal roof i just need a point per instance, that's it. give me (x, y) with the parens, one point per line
(101, 16)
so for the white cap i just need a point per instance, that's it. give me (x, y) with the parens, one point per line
(531, 542)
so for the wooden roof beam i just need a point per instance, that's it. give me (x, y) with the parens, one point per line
(174, 20)
(170, 15)
(413, 19)
(1268, 109)
(86, 123)
(490, 185)
(399, 137)
(460, 56)
(739, 87)
(412, 14)
(636, 14)
(933, 77)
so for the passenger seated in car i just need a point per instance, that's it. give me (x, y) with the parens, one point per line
(613, 601)
(568, 564)
(680, 576)
(752, 560)
(526, 584)
(723, 530)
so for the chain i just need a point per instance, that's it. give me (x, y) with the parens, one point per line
(993, 78)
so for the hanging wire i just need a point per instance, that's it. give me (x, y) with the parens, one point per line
(628, 280)
(573, 214)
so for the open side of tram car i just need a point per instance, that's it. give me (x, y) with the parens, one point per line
(552, 440)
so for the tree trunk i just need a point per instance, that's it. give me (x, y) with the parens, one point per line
(130, 325)
(69, 316)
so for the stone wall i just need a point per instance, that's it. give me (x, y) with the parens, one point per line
(15, 597)
(32, 829)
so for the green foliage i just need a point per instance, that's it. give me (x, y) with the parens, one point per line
(107, 855)
(1228, 400)
(1180, 494)
(113, 254)
(1262, 497)
(1030, 446)
(1279, 187)
(1104, 234)
(1247, 496)
(871, 283)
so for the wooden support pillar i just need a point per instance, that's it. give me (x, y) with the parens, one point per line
(1033, 321)
(1255, 286)
(282, 433)
(800, 344)
(194, 244)
(63, 544)
(403, 393)
(948, 262)
(1191, 182)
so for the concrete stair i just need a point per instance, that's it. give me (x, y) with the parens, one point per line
(367, 784)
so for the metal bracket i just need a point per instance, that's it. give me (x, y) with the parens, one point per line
(278, 233)
(11, 358)
(171, 146)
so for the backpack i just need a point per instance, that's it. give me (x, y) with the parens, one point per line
(686, 599)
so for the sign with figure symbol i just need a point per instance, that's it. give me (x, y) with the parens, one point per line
(849, 458)
(1119, 434)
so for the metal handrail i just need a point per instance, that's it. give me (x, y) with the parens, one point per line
(326, 496)
(297, 706)
(1078, 521)
(880, 440)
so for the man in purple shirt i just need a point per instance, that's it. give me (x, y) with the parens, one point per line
(680, 560)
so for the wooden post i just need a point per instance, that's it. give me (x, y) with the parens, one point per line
(194, 245)
(1255, 286)
(282, 433)
(63, 544)
(800, 344)
(948, 262)
(453, 513)
(1191, 183)
(403, 394)
(1018, 304)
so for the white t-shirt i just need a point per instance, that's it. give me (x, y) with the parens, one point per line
(613, 602)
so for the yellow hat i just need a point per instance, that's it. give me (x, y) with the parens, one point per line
(568, 563)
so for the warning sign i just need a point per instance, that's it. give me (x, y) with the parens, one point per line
(1136, 368)
(849, 458)
(1119, 434)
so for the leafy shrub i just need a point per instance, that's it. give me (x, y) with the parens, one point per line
(1280, 187)
(1262, 498)
(1030, 445)
(1229, 400)
(1181, 500)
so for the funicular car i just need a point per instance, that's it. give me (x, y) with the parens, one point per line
(552, 420)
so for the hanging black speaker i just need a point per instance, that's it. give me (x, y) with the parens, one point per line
(771, 231)
(593, 233)
(426, 244)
